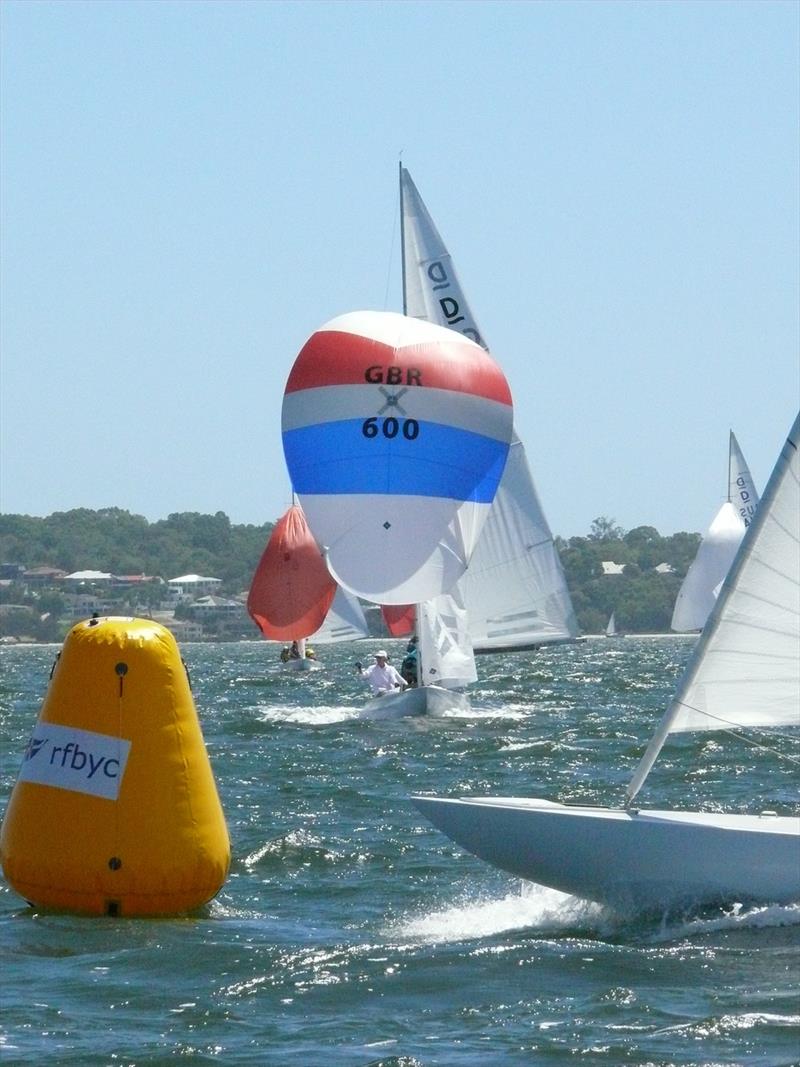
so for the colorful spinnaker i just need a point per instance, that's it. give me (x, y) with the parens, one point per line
(395, 433)
(291, 590)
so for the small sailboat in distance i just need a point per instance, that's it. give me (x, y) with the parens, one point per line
(611, 626)
(701, 585)
(291, 591)
(744, 672)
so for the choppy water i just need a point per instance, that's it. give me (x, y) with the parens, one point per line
(350, 932)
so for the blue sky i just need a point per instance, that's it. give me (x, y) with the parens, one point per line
(190, 189)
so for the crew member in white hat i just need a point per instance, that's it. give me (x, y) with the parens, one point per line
(382, 676)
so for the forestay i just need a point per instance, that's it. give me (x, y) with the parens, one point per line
(395, 434)
(745, 671)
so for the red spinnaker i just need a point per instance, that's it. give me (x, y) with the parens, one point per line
(400, 619)
(291, 590)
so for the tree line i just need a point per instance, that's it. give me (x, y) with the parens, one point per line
(121, 543)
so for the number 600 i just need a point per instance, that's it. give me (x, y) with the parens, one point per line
(391, 427)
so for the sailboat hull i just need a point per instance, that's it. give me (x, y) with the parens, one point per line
(640, 860)
(302, 665)
(423, 700)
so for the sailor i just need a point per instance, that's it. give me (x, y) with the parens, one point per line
(382, 676)
(294, 651)
(408, 668)
(310, 653)
(285, 654)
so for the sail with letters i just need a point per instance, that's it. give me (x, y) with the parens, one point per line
(515, 591)
(741, 488)
(707, 571)
(395, 434)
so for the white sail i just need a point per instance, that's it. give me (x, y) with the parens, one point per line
(611, 626)
(445, 648)
(742, 492)
(745, 670)
(514, 590)
(702, 583)
(431, 289)
(707, 571)
(345, 621)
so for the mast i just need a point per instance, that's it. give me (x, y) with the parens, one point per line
(403, 240)
(420, 682)
(405, 312)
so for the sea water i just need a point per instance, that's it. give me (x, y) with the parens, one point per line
(351, 932)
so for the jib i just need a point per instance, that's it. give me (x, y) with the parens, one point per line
(393, 375)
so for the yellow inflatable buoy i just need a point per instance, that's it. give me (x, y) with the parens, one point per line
(115, 811)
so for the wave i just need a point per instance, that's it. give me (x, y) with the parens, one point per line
(532, 907)
(542, 910)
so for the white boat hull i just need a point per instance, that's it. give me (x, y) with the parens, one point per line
(629, 859)
(422, 700)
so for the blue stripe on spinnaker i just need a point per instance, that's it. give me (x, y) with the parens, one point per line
(336, 458)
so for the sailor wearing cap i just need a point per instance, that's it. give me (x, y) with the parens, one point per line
(382, 676)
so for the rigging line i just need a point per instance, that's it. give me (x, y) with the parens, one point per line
(736, 732)
(764, 748)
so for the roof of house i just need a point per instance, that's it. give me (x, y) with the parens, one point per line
(612, 568)
(187, 579)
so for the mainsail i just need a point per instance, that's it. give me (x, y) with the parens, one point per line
(701, 585)
(514, 591)
(741, 488)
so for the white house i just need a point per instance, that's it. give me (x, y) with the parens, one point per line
(216, 605)
(612, 568)
(193, 586)
(94, 577)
